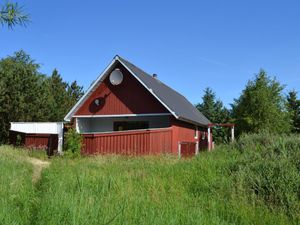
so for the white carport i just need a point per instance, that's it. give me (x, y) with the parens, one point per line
(41, 128)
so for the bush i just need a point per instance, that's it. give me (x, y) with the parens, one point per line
(268, 169)
(73, 143)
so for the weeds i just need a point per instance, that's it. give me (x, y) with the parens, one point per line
(254, 181)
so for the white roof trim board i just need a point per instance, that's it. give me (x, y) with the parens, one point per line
(37, 128)
(187, 112)
(88, 92)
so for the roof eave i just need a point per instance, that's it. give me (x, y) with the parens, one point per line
(70, 114)
(192, 122)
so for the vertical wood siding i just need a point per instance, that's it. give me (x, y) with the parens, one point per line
(146, 142)
(187, 149)
(129, 97)
(47, 142)
(182, 132)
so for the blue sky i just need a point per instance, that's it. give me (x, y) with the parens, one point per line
(189, 44)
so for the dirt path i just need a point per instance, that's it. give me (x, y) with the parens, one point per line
(38, 166)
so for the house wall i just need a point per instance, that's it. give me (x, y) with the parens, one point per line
(182, 132)
(129, 97)
(138, 142)
(91, 125)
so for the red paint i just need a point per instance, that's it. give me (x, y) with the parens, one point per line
(187, 149)
(130, 97)
(182, 132)
(47, 142)
(146, 142)
(142, 142)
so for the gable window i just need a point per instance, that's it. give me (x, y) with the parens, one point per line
(130, 125)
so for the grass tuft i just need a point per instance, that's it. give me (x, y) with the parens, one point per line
(254, 181)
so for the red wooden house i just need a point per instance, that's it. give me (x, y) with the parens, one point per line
(127, 111)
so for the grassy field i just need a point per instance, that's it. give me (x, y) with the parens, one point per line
(255, 181)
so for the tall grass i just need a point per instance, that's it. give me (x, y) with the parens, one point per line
(254, 181)
(124, 190)
(16, 189)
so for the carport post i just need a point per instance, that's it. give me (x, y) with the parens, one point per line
(179, 149)
(232, 134)
(208, 139)
(60, 138)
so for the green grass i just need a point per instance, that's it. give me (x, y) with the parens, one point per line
(255, 181)
(17, 194)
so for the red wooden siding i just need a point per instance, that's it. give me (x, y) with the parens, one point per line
(142, 142)
(187, 149)
(130, 97)
(182, 132)
(47, 142)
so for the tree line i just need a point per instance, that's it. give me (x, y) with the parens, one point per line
(27, 95)
(262, 106)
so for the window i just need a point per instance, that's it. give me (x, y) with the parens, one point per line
(130, 125)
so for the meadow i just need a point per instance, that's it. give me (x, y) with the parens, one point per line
(253, 181)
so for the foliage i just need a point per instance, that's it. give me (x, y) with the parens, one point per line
(215, 111)
(261, 106)
(12, 14)
(27, 95)
(254, 181)
(62, 96)
(73, 142)
(293, 106)
(20, 92)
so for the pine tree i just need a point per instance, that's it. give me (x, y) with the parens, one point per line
(293, 105)
(19, 85)
(58, 97)
(215, 111)
(26, 95)
(75, 92)
(12, 14)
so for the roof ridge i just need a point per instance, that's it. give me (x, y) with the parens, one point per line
(118, 56)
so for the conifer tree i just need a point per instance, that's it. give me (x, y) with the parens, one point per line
(215, 111)
(293, 105)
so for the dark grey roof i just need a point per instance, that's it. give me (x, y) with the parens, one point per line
(175, 101)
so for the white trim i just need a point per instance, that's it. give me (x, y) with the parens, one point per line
(67, 117)
(208, 139)
(179, 150)
(197, 148)
(60, 139)
(232, 134)
(77, 126)
(122, 115)
(37, 127)
(102, 75)
(149, 89)
(197, 132)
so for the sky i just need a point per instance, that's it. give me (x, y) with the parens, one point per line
(191, 45)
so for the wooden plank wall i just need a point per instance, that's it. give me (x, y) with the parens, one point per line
(145, 142)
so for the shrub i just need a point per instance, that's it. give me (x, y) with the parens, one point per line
(268, 169)
(73, 143)
(19, 140)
